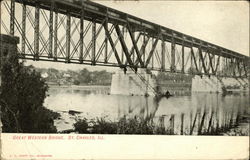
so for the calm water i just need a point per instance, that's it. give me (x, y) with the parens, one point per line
(183, 113)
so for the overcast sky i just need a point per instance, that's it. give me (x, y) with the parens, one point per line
(224, 23)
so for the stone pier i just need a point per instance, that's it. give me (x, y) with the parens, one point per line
(131, 83)
(8, 46)
(206, 84)
(218, 84)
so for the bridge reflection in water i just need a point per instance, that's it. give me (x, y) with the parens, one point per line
(195, 114)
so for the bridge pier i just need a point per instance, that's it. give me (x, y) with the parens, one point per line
(218, 84)
(206, 84)
(8, 46)
(131, 83)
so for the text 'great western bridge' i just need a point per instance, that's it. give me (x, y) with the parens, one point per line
(85, 32)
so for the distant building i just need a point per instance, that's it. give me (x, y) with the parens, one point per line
(45, 75)
(67, 79)
(66, 75)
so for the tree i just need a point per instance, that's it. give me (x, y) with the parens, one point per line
(22, 95)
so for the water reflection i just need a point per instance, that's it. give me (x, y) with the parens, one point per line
(184, 114)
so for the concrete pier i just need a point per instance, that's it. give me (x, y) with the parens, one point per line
(206, 84)
(131, 83)
(218, 84)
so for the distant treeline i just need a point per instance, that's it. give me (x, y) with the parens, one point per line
(86, 77)
(80, 77)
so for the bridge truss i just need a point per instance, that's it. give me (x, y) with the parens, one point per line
(84, 32)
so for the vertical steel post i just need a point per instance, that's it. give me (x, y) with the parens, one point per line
(144, 48)
(152, 59)
(51, 29)
(36, 34)
(122, 53)
(55, 34)
(182, 58)
(106, 41)
(93, 42)
(239, 68)
(81, 33)
(224, 66)
(68, 37)
(163, 52)
(133, 51)
(23, 29)
(202, 60)
(172, 68)
(12, 17)
(233, 67)
(191, 58)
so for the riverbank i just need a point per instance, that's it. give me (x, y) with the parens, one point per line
(80, 87)
(77, 122)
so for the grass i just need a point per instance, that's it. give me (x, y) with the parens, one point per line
(124, 125)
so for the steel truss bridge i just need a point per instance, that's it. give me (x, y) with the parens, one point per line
(84, 32)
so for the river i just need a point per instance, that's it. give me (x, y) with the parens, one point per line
(184, 113)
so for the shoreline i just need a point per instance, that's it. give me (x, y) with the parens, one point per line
(81, 86)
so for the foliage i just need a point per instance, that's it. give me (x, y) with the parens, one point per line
(22, 95)
(135, 125)
(81, 126)
(76, 82)
(102, 126)
(84, 76)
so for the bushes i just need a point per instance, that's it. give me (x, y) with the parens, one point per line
(22, 95)
(135, 125)
(81, 126)
(102, 126)
(76, 82)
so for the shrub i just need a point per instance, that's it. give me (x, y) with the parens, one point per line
(103, 126)
(76, 82)
(22, 95)
(81, 126)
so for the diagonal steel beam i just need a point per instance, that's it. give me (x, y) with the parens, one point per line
(112, 45)
(123, 44)
(202, 60)
(152, 50)
(132, 50)
(217, 64)
(143, 49)
(135, 45)
(211, 63)
(194, 59)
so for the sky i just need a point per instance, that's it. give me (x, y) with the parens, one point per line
(224, 23)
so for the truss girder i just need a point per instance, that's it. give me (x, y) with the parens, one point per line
(99, 45)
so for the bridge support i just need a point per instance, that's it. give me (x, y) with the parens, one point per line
(131, 83)
(218, 84)
(206, 84)
(8, 46)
